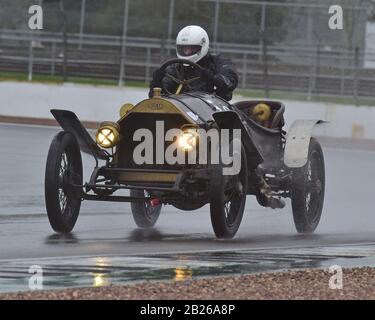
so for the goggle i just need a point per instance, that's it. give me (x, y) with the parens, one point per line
(188, 50)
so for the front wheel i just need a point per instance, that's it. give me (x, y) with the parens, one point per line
(63, 169)
(228, 199)
(307, 191)
(144, 214)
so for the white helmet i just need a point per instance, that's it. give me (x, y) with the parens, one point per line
(192, 43)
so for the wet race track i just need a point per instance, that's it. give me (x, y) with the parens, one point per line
(106, 242)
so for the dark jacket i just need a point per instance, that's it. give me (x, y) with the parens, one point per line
(224, 82)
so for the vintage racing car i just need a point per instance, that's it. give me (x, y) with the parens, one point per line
(273, 164)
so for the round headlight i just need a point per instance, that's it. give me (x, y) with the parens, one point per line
(188, 140)
(108, 135)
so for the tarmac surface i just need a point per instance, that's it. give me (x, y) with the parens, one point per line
(106, 231)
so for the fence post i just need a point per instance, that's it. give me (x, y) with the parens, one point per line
(53, 56)
(123, 43)
(65, 61)
(317, 72)
(315, 75)
(148, 62)
(342, 82)
(310, 26)
(355, 75)
(162, 49)
(64, 41)
(216, 21)
(265, 69)
(312, 79)
(31, 60)
(264, 51)
(244, 70)
(170, 25)
(311, 82)
(82, 22)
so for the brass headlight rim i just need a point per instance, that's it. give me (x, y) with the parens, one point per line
(189, 126)
(194, 135)
(114, 129)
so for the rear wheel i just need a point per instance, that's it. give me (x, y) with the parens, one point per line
(228, 199)
(63, 168)
(308, 190)
(144, 214)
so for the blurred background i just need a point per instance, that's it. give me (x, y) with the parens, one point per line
(281, 46)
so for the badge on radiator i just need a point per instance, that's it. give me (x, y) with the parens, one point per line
(192, 115)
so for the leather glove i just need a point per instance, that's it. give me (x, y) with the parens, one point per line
(158, 75)
(207, 75)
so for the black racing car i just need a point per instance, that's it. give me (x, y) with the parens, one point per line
(270, 163)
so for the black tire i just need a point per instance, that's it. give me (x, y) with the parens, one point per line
(64, 167)
(307, 192)
(227, 204)
(145, 216)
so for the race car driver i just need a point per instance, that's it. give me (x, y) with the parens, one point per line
(218, 76)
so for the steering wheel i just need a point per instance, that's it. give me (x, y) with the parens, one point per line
(180, 80)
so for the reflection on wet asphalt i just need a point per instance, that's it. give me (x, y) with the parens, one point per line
(108, 229)
(61, 238)
(106, 270)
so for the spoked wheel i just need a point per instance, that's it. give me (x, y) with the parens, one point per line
(228, 199)
(144, 214)
(63, 169)
(308, 191)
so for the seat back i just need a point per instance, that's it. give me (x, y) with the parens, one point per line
(278, 110)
